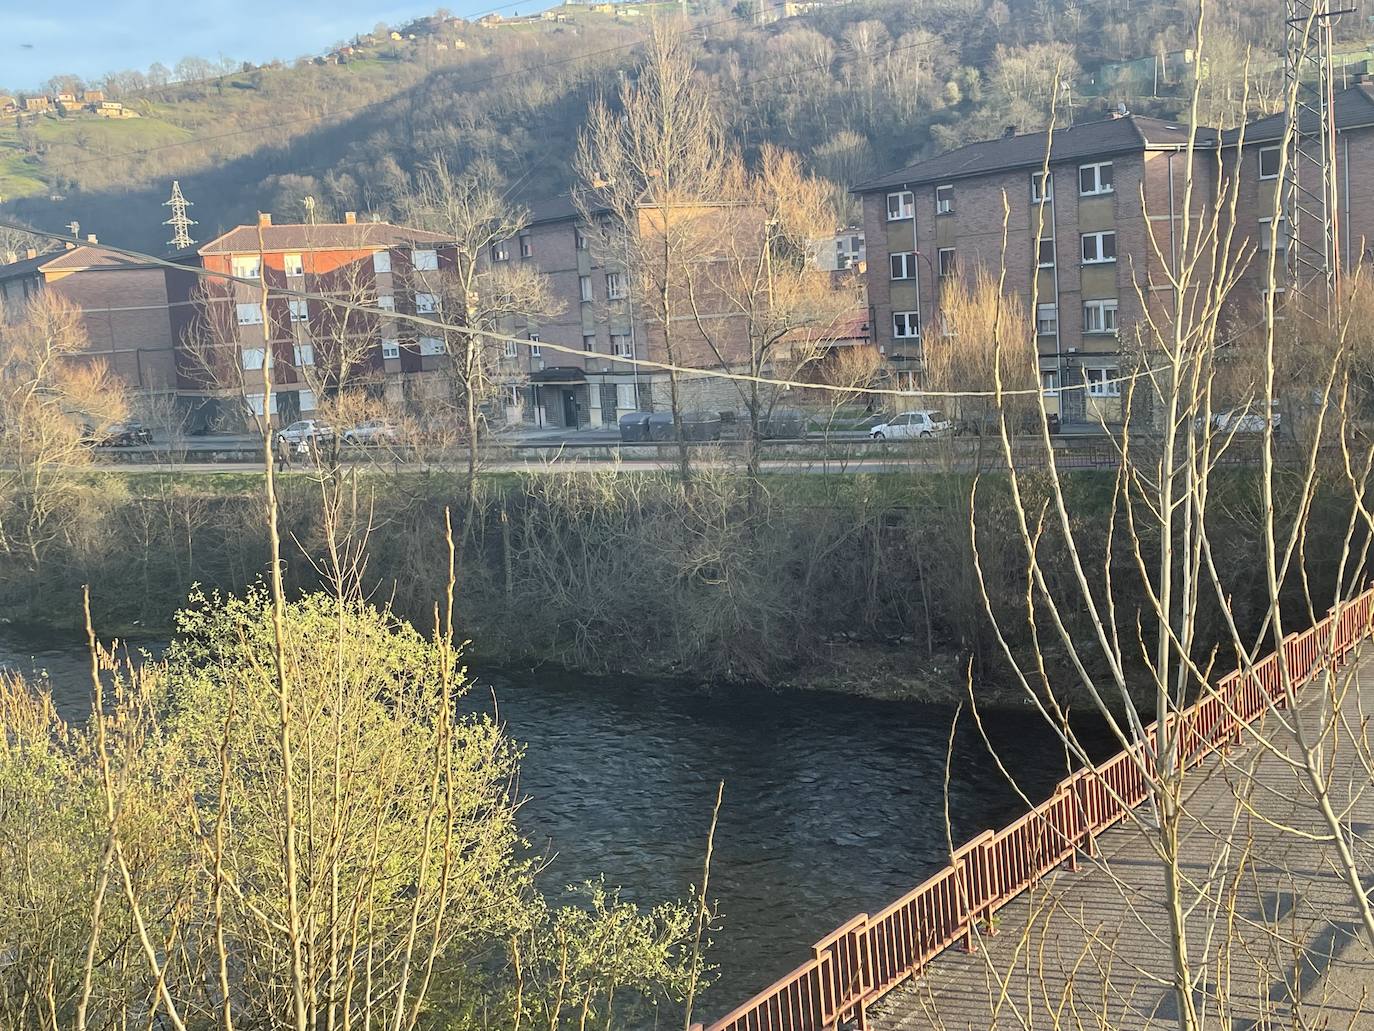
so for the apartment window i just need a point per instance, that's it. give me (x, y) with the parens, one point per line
(306, 399)
(1103, 382)
(526, 246)
(1047, 319)
(294, 265)
(255, 405)
(386, 302)
(903, 265)
(906, 325)
(625, 396)
(1099, 248)
(246, 266)
(620, 345)
(509, 350)
(1266, 227)
(1095, 179)
(1099, 316)
(254, 357)
(1042, 187)
(580, 239)
(945, 262)
(1044, 257)
(944, 200)
(499, 252)
(1049, 382)
(300, 309)
(391, 349)
(426, 304)
(1269, 162)
(615, 286)
(589, 341)
(425, 261)
(535, 350)
(900, 206)
(305, 355)
(381, 261)
(431, 345)
(584, 284)
(249, 314)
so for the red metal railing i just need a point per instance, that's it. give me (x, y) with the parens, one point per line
(862, 960)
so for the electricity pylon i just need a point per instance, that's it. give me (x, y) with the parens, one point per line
(180, 222)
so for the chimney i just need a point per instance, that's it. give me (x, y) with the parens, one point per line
(264, 218)
(1008, 131)
(90, 238)
(32, 252)
(350, 218)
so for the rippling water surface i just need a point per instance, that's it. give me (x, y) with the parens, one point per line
(833, 805)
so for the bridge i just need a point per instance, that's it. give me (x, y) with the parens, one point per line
(1059, 919)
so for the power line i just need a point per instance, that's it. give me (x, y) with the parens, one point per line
(648, 363)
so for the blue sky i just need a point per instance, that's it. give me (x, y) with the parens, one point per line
(92, 37)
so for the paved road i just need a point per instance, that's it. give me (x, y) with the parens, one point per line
(1087, 950)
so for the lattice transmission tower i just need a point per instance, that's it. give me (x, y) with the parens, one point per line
(180, 222)
(1310, 198)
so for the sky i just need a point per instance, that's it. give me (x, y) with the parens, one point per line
(91, 37)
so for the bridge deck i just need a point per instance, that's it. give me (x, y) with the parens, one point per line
(1089, 949)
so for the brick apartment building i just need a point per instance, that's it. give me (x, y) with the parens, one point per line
(1077, 243)
(317, 347)
(125, 307)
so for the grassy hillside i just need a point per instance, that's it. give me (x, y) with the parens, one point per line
(856, 87)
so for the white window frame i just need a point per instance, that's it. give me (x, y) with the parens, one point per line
(294, 264)
(946, 271)
(944, 199)
(580, 241)
(584, 286)
(381, 261)
(303, 355)
(535, 350)
(386, 302)
(1047, 315)
(1107, 382)
(391, 348)
(1099, 188)
(245, 266)
(624, 392)
(253, 358)
(305, 400)
(254, 403)
(510, 350)
(299, 308)
(249, 314)
(589, 342)
(1040, 261)
(499, 252)
(907, 262)
(1259, 162)
(1099, 239)
(425, 260)
(615, 286)
(905, 208)
(1096, 323)
(1049, 382)
(906, 325)
(620, 345)
(426, 304)
(432, 346)
(1281, 242)
(526, 246)
(1037, 178)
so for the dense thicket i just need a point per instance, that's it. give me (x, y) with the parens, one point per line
(855, 87)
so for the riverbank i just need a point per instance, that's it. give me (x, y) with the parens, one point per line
(862, 585)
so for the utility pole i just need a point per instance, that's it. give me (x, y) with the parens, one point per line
(180, 222)
(1310, 193)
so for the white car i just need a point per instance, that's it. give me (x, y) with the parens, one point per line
(306, 433)
(909, 425)
(373, 431)
(1247, 419)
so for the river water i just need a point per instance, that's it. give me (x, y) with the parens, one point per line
(833, 805)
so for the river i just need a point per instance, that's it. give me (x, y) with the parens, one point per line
(833, 805)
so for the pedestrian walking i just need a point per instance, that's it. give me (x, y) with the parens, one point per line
(283, 453)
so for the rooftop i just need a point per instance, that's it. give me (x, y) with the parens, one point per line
(1354, 107)
(318, 237)
(1118, 135)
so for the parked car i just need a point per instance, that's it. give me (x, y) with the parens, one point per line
(784, 424)
(1246, 419)
(634, 427)
(927, 422)
(119, 434)
(696, 425)
(373, 431)
(306, 433)
(988, 424)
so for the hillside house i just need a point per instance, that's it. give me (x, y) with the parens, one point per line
(37, 104)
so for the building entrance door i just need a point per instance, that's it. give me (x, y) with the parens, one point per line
(569, 409)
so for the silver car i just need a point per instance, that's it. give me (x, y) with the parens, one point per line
(926, 422)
